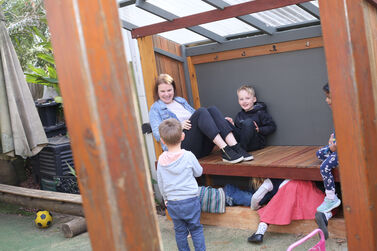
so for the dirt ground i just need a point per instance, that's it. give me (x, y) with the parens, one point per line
(18, 232)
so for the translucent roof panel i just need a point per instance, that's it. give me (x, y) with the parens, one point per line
(138, 16)
(182, 8)
(278, 17)
(228, 27)
(183, 36)
(282, 16)
(141, 18)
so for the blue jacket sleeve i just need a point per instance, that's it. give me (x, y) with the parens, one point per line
(155, 120)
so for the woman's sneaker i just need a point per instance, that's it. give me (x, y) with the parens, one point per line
(328, 205)
(230, 156)
(246, 156)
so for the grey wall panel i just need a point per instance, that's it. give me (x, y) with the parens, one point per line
(289, 83)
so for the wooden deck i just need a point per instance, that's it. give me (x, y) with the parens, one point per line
(287, 162)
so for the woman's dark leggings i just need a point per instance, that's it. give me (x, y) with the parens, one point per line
(206, 123)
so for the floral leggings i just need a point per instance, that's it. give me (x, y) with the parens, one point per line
(330, 161)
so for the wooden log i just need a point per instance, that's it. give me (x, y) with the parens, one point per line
(32, 198)
(74, 227)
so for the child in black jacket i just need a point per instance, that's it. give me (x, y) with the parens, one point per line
(252, 124)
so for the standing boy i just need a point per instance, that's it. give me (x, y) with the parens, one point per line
(176, 172)
(252, 124)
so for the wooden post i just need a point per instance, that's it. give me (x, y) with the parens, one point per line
(100, 108)
(350, 41)
(148, 64)
(194, 83)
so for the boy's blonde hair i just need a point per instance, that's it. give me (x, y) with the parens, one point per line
(170, 131)
(247, 88)
(256, 182)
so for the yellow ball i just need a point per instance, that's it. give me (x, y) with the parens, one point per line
(43, 219)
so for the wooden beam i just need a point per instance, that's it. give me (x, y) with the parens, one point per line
(350, 43)
(212, 16)
(194, 83)
(268, 49)
(101, 113)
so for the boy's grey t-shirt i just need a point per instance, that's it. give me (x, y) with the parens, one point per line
(176, 180)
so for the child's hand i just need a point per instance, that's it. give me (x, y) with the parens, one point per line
(256, 126)
(331, 139)
(186, 124)
(332, 146)
(230, 120)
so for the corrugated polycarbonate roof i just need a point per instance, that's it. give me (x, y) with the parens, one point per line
(275, 18)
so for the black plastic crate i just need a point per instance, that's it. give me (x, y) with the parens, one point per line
(48, 111)
(53, 160)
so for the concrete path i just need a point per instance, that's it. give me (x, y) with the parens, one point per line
(18, 232)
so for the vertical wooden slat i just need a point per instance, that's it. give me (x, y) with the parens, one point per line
(194, 83)
(350, 43)
(148, 64)
(100, 108)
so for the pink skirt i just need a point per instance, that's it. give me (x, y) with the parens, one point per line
(296, 200)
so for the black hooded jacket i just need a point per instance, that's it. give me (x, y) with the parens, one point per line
(260, 116)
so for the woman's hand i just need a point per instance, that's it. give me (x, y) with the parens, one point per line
(256, 126)
(230, 120)
(186, 124)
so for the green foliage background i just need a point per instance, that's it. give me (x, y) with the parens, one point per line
(22, 17)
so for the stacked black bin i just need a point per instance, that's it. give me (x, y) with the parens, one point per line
(50, 166)
(48, 112)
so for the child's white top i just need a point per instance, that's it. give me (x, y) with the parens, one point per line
(176, 180)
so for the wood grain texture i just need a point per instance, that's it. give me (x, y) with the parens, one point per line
(194, 83)
(100, 109)
(150, 74)
(245, 218)
(286, 162)
(350, 54)
(302, 44)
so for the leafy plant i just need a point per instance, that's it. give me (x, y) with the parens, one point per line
(71, 170)
(20, 17)
(46, 74)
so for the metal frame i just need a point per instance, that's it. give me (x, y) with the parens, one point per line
(283, 36)
(127, 25)
(310, 8)
(212, 16)
(252, 21)
(168, 54)
(170, 17)
(221, 5)
(125, 3)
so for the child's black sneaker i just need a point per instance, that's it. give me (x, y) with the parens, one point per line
(322, 222)
(238, 149)
(230, 156)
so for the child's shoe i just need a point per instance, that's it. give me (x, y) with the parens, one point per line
(230, 156)
(246, 156)
(328, 205)
(322, 222)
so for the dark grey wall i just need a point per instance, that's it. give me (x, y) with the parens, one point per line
(289, 83)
